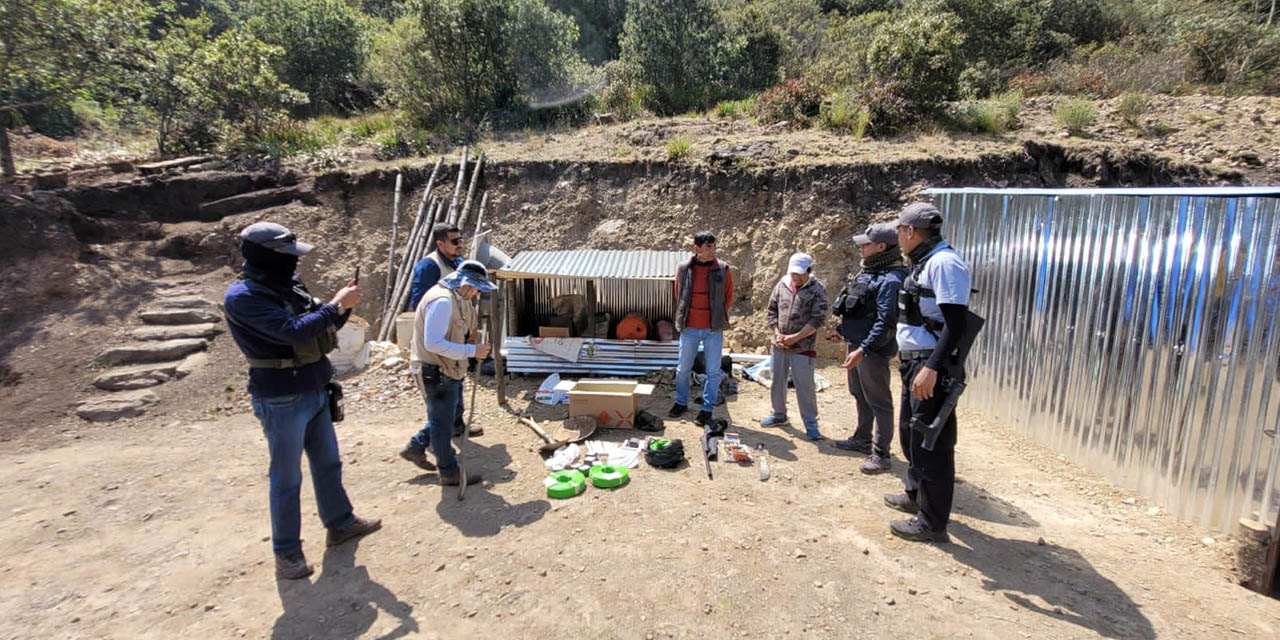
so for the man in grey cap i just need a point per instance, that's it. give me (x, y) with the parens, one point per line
(797, 309)
(439, 350)
(931, 321)
(868, 308)
(284, 333)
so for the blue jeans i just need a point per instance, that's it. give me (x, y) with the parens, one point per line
(712, 342)
(422, 439)
(444, 408)
(293, 424)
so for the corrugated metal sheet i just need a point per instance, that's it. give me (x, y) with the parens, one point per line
(612, 357)
(655, 299)
(590, 263)
(1137, 332)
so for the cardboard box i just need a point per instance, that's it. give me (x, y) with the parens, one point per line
(553, 332)
(611, 402)
(404, 330)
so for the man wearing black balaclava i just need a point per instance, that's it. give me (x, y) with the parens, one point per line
(284, 333)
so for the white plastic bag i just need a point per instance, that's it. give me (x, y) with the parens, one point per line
(547, 393)
(352, 353)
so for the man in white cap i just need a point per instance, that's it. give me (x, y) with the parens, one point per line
(284, 333)
(797, 309)
(932, 319)
(439, 351)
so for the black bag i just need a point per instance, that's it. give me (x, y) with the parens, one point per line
(336, 412)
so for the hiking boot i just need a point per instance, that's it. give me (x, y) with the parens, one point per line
(359, 527)
(453, 480)
(813, 434)
(473, 432)
(418, 458)
(774, 421)
(902, 502)
(875, 464)
(856, 446)
(703, 418)
(293, 567)
(914, 530)
(677, 410)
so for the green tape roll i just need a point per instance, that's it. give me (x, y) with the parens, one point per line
(566, 484)
(607, 476)
(658, 444)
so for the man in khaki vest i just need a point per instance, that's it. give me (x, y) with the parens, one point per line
(439, 351)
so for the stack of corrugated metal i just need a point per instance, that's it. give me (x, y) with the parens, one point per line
(598, 356)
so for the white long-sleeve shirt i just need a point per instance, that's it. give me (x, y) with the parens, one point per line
(436, 325)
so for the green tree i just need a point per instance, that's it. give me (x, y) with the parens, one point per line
(599, 26)
(920, 52)
(53, 50)
(325, 43)
(678, 50)
(465, 59)
(238, 75)
(759, 50)
(171, 87)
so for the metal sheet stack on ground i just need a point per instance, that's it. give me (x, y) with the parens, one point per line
(612, 357)
(1137, 332)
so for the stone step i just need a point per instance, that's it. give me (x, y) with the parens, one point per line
(188, 302)
(137, 376)
(179, 316)
(252, 201)
(152, 351)
(175, 331)
(126, 404)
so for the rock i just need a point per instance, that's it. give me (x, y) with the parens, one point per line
(799, 553)
(173, 332)
(152, 351)
(137, 377)
(1130, 501)
(393, 362)
(128, 404)
(1153, 511)
(120, 166)
(178, 316)
(890, 601)
(184, 303)
(192, 364)
(1206, 541)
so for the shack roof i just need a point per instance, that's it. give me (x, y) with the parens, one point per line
(591, 263)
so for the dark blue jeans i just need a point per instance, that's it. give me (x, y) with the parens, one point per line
(422, 439)
(293, 424)
(443, 396)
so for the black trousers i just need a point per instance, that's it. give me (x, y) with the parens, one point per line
(931, 475)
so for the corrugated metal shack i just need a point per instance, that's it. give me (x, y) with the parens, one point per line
(1136, 331)
(617, 282)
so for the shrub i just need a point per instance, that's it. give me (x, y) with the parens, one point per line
(844, 113)
(794, 101)
(325, 44)
(841, 60)
(979, 80)
(734, 109)
(890, 107)
(677, 51)
(289, 138)
(451, 60)
(757, 55)
(921, 50)
(1075, 114)
(368, 125)
(402, 143)
(1131, 109)
(991, 117)
(678, 149)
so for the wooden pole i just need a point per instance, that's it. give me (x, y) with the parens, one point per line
(391, 251)
(404, 280)
(476, 168)
(420, 250)
(497, 325)
(484, 200)
(457, 189)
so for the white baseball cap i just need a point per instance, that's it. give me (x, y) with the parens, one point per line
(800, 263)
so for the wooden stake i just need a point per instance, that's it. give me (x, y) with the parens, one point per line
(476, 169)
(391, 251)
(457, 189)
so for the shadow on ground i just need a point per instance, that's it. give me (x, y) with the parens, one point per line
(343, 602)
(1070, 589)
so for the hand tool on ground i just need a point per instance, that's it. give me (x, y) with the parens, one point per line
(549, 443)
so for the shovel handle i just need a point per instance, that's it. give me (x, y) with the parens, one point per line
(536, 429)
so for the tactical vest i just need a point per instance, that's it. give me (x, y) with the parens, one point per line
(310, 352)
(909, 300)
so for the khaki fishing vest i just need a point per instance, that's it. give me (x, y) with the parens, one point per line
(461, 322)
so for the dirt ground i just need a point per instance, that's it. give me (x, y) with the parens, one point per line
(158, 528)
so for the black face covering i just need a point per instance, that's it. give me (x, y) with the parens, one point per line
(276, 267)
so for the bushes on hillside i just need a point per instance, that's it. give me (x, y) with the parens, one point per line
(678, 51)
(922, 53)
(468, 59)
(325, 43)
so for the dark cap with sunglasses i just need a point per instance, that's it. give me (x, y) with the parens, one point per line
(275, 236)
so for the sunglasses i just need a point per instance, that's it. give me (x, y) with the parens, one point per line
(455, 241)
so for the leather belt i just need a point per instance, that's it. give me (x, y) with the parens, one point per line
(918, 354)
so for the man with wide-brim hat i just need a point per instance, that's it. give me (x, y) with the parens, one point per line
(439, 350)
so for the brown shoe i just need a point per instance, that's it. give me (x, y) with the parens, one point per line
(453, 480)
(293, 567)
(418, 458)
(360, 527)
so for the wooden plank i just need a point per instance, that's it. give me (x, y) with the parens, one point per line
(161, 167)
